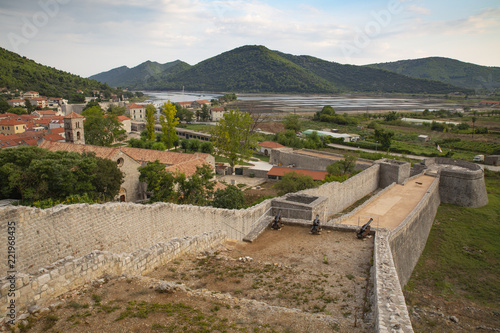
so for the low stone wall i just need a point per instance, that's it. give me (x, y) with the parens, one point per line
(69, 273)
(342, 195)
(288, 156)
(45, 236)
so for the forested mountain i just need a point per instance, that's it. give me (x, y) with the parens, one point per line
(140, 75)
(455, 72)
(258, 69)
(363, 79)
(18, 72)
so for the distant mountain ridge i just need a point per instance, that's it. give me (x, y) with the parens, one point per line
(258, 69)
(455, 72)
(137, 76)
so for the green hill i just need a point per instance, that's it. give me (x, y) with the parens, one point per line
(18, 72)
(140, 75)
(365, 79)
(458, 73)
(258, 69)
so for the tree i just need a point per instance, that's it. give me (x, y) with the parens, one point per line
(384, 137)
(29, 107)
(168, 122)
(207, 147)
(159, 182)
(184, 114)
(233, 138)
(391, 116)
(291, 122)
(197, 189)
(32, 173)
(150, 122)
(342, 167)
(230, 198)
(116, 110)
(474, 118)
(4, 106)
(205, 113)
(294, 182)
(100, 129)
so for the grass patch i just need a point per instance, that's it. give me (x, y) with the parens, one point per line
(462, 255)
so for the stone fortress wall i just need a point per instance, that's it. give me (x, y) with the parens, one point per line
(45, 237)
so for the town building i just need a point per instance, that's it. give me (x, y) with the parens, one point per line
(266, 147)
(130, 159)
(136, 112)
(10, 126)
(73, 126)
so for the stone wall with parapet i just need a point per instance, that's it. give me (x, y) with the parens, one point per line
(44, 236)
(288, 156)
(391, 313)
(69, 273)
(408, 240)
(342, 195)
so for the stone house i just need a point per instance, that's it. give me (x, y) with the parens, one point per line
(217, 113)
(265, 147)
(199, 103)
(16, 102)
(10, 126)
(126, 123)
(136, 112)
(31, 94)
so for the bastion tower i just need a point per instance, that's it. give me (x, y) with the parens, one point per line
(73, 127)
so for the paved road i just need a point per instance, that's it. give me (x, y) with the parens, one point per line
(333, 145)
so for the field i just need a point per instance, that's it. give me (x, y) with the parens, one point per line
(458, 273)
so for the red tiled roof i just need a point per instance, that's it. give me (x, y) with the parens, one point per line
(185, 103)
(46, 112)
(16, 100)
(177, 162)
(203, 101)
(73, 115)
(53, 137)
(135, 106)
(218, 108)
(57, 130)
(270, 144)
(10, 122)
(122, 118)
(279, 171)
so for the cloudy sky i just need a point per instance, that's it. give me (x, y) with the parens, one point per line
(86, 37)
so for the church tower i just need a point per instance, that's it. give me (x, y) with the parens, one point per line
(73, 127)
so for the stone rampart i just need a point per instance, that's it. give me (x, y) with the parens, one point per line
(408, 240)
(461, 182)
(342, 195)
(288, 156)
(69, 273)
(45, 236)
(393, 171)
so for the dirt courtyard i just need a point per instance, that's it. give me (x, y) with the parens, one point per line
(285, 281)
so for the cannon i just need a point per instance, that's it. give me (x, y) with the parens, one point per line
(316, 228)
(277, 225)
(365, 230)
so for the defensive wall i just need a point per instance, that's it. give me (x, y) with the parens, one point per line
(289, 156)
(97, 234)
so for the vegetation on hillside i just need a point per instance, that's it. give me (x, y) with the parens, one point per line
(458, 73)
(258, 69)
(18, 72)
